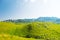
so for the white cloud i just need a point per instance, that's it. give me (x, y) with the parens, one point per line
(32, 0)
(45, 1)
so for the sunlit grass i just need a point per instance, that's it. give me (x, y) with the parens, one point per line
(29, 31)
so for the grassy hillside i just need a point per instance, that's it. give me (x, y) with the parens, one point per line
(12, 37)
(30, 31)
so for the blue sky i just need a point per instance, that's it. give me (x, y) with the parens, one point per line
(16, 9)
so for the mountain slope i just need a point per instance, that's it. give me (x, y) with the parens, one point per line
(41, 19)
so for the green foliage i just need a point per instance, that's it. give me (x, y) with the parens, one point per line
(10, 37)
(36, 30)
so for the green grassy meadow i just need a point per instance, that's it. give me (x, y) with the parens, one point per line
(29, 31)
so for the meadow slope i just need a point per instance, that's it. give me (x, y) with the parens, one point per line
(29, 31)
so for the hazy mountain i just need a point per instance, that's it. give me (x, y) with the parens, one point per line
(41, 19)
(47, 19)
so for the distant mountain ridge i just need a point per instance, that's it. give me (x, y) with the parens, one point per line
(41, 19)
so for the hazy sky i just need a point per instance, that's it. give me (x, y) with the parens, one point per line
(16, 9)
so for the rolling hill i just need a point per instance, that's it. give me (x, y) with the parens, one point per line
(30, 31)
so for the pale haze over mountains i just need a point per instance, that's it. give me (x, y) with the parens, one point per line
(21, 9)
(40, 19)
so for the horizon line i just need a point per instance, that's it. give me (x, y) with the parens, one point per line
(25, 18)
